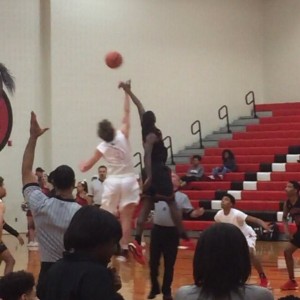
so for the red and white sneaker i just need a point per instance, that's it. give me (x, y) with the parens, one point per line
(187, 245)
(137, 252)
(289, 285)
(265, 283)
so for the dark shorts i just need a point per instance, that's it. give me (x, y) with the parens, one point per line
(161, 181)
(2, 247)
(296, 239)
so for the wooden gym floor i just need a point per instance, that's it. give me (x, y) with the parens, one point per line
(135, 278)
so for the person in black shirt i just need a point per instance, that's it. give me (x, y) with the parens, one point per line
(157, 178)
(83, 272)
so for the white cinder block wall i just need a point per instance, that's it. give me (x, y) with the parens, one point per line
(185, 59)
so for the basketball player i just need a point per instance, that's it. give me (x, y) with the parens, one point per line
(158, 183)
(228, 214)
(121, 189)
(291, 209)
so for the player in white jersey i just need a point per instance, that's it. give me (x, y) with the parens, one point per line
(230, 215)
(121, 189)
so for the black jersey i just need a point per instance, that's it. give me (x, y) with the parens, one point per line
(294, 211)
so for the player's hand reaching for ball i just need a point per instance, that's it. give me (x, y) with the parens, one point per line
(126, 86)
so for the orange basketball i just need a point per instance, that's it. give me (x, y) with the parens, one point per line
(113, 59)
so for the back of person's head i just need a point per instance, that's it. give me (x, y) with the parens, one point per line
(17, 284)
(295, 184)
(148, 119)
(221, 260)
(289, 297)
(106, 131)
(1, 181)
(91, 227)
(63, 177)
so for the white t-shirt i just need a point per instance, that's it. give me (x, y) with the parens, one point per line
(249, 292)
(237, 218)
(96, 190)
(118, 155)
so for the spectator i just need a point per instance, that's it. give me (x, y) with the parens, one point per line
(82, 197)
(195, 172)
(229, 165)
(83, 272)
(221, 267)
(52, 215)
(97, 185)
(18, 286)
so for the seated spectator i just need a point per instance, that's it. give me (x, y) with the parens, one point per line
(221, 267)
(229, 165)
(17, 286)
(82, 196)
(195, 172)
(83, 274)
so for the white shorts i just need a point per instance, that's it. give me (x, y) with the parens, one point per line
(251, 240)
(119, 192)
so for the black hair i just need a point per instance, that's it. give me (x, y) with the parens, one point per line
(7, 79)
(91, 227)
(197, 157)
(230, 154)
(15, 284)
(289, 297)
(231, 198)
(106, 131)
(295, 184)
(39, 169)
(63, 177)
(1, 180)
(221, 261)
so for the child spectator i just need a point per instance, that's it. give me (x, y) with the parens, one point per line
(195, 172)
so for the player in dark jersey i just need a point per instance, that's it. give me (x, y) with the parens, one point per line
(157, 180)
(291, 210)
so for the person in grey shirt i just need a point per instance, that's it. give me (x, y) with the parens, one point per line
(221, 268)
(165, 239)
(195, 172)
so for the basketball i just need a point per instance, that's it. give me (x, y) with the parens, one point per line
(113, 59)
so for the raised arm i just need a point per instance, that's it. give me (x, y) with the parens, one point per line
(28, 157)
(127, 88)
(125, 128)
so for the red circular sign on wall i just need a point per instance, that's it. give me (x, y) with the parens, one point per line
(6, 120)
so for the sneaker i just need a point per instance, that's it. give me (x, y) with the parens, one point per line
(32, 244)
(137, 251)
(265, 283)
(211, 177)
(187, 245)
(221, 177)
(289, 285)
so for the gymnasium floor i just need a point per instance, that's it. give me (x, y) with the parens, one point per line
(135, 277)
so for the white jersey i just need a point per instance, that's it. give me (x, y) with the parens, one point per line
(237, 218)
(118, 155)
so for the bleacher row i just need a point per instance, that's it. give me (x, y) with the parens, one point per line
(267, 156)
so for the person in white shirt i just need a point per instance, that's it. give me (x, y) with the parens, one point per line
(97, 186)
(221, 268)
(230, 215)
(121, 190)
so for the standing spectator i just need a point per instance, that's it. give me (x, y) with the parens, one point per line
(52, 215)
(195, 172)
(97, 185)
(82, 197)
(83, 272)
(291, 210)
(221, 268)
(165, 240)
(229, 165)
(18, 286)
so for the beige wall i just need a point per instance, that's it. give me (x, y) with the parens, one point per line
(185, 59)
(281, 50)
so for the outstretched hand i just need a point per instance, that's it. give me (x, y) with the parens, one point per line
(126, 86)
(35, 129)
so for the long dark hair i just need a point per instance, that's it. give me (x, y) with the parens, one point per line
(221, 260)
(230, 154)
